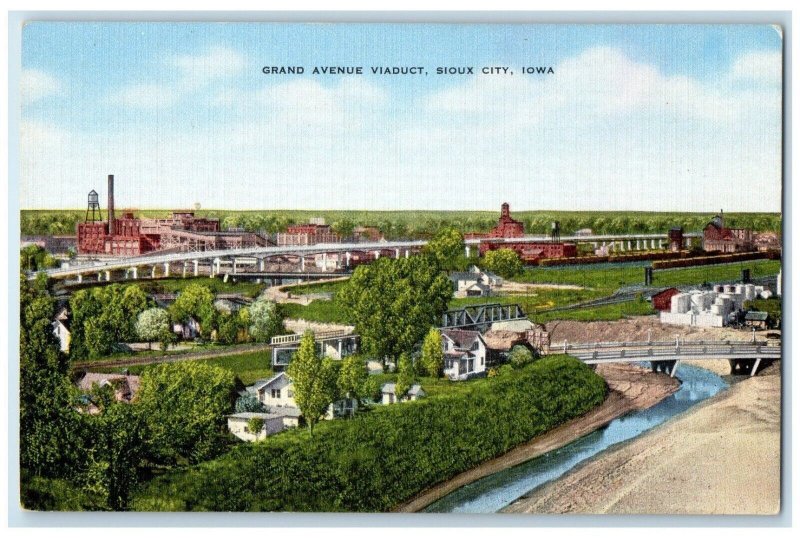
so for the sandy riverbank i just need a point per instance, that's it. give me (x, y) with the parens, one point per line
(630, 387)
(720, 457)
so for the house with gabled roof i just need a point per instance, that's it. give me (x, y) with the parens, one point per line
(464, 353)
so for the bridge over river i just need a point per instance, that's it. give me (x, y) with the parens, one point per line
(664, 356)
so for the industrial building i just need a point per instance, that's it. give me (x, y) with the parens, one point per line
(718, 238)
(528, 251)
(133, 236)
(715, 308)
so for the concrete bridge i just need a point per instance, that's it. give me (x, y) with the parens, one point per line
(664, 356)
(255, 259)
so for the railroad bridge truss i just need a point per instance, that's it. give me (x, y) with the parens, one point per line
(480, 317)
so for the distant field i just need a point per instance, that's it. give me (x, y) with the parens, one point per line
(422, 223)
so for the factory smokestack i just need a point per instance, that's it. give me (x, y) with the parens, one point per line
(110, 204)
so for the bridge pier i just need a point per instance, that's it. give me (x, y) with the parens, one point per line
(467, 251)
(397, 254)
(407, 253)
(261, 265)
(324, 261)
(80, 278)
(302, 263)
(166, 269)
(652, 244)
(135, 271)
(196, 267)
(153, 272)
(108, 276)
(377, 254)
(664, 367)
(185, 266)
(347, 259)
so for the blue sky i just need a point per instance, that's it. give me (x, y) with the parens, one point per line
(659, 117)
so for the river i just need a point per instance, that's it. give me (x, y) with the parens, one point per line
(495, 492)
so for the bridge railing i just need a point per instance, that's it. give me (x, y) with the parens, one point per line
(661, 343)
(295, 338)
(633, 354)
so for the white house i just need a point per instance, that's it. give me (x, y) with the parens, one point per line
(464, 353)
(388, 395)
(487, 278)
(277, 394)
(277, 391)
(466, 284)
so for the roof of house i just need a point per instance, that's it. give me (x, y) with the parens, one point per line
(415, 390)
(756, 316)
(514, 325)
(260, 384)
(456, 276)
(94, 378)
(463, 339)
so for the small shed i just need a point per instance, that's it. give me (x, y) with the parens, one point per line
(662, 301)
(388, 395)
(756, 319)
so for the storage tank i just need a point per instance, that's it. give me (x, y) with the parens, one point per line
(697, 301)
(749, 292)
(679, 303)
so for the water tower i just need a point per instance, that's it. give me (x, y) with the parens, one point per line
(93, 207)
(555, 231)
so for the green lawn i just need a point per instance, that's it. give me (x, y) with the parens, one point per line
(321, 311)
(318, 287)
(248, 367)
(216, 285)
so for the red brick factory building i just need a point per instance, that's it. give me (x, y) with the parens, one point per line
(528, 251)
(133, 236)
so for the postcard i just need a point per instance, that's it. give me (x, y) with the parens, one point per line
(440, 268)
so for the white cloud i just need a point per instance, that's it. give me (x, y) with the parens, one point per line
(36, 84)
(217, 63)
(145, 96)
(764, 66)
(604, 132)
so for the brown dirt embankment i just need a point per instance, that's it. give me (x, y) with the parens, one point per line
(630, 387)
(720, 457)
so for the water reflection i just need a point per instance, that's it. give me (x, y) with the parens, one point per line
(494, 492)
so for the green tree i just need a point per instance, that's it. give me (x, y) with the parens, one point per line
(115, 455)
(505, 262)
(394, 303)
(51, 431)
(344, 227)
(266, 320)
(432, 359)
(405, 376)
(520, 356)
(314, 380)
(153, 325)
(447, 248)
(195, 301)
(255, 425)
(352, 376)
(184, 405)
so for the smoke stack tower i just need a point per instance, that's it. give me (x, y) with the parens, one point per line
(110, 204)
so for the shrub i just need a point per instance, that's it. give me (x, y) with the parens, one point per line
(255, 425)
(382, 458)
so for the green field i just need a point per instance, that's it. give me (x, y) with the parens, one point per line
(248, 367)
(216, 285)
(423, 223)
(599, 281)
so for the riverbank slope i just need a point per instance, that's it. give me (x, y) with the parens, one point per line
(720, 457)
(630, 387)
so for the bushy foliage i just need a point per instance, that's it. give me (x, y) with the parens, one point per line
(184, 406)
(314, 380)
(35, 258)
(447, 248)
(266, 320)
(248, 403)
(103, 316)
(394, 302)
(432, 359)
(520, 356)
(195, 301)
(153, 325)
(255, 425)
(381, 458)
(505, 262)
